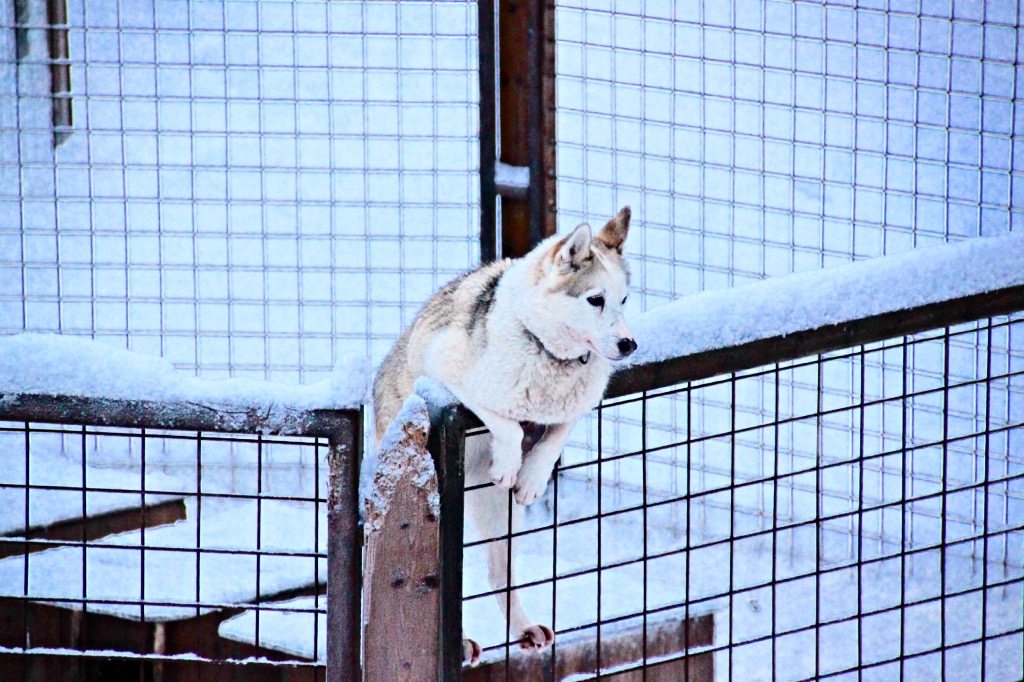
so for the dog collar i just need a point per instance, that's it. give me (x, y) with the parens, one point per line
(583, 359)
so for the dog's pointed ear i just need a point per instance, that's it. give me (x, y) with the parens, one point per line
(572, 251)
(613, 234)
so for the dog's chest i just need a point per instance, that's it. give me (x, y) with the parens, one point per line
(544, 392)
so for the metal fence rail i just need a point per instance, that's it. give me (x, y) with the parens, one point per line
(840, 509)
(94, 579)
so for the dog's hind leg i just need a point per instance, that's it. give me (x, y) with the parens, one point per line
(494, 515)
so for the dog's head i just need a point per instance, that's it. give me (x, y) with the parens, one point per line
(584, 282)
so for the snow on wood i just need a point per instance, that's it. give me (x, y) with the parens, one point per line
(131, 655)
(811, 300)
(402, 594)
(184, 587)
(49, 365)
(403, 452)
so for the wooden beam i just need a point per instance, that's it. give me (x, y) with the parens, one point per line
(269, 418)
(526, 87)
(622, 647)
(93, 527)
(402, 595)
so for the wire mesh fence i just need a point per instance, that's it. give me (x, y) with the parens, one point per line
(247, 188)
(760, 138)
(125, 549)
(843, 516)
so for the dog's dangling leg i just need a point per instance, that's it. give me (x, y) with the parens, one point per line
(501, 575)
(494, 514)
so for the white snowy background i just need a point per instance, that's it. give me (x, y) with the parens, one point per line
(254, 189)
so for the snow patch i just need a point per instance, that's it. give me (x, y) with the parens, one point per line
(53, 364)
(403, 449)
(810, 300)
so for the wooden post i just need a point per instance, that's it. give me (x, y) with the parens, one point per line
(526, 90)
(403, 605)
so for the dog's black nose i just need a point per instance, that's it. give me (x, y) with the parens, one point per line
(626, 346)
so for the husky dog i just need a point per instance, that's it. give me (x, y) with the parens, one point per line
(525, 344)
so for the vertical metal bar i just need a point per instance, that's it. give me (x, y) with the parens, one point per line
(316, 548)
(904, 511)
(985, 497)
(526, 85)
(488, 132)
(600, 521)
(860, 509)
(259, 531)
(447, 444)
(60, 69)
(644, 502)
(344, 565)
(730, 638)
(944, 486)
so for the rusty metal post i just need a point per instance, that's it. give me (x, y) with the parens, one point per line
(60, 69)
(486, 70)
(524, 174)
(344, 555)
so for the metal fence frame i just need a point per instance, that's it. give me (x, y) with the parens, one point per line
(341, 428)
(449, 429)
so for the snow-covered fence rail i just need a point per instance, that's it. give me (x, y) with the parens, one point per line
(113, 394)
(726, 476)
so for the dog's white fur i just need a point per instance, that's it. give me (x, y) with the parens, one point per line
(519, 342)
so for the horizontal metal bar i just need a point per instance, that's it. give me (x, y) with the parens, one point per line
(183, 416)
(832, 337)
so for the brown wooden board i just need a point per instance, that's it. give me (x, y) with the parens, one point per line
(402, 598)
(621, 647)
(526, 87)
(93, 527)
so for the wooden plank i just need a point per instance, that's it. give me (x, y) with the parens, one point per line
(175, 416)
(402, 578)
(526, 86)
(93, 527)
(622, 647)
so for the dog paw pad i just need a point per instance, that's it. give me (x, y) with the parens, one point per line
(537, 637)
(470, 651)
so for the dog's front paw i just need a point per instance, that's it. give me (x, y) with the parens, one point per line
(532, 480)
(537, 637)
(470, 651)
(504, 470)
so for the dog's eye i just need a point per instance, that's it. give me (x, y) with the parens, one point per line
(624, 300)
(596, 301)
